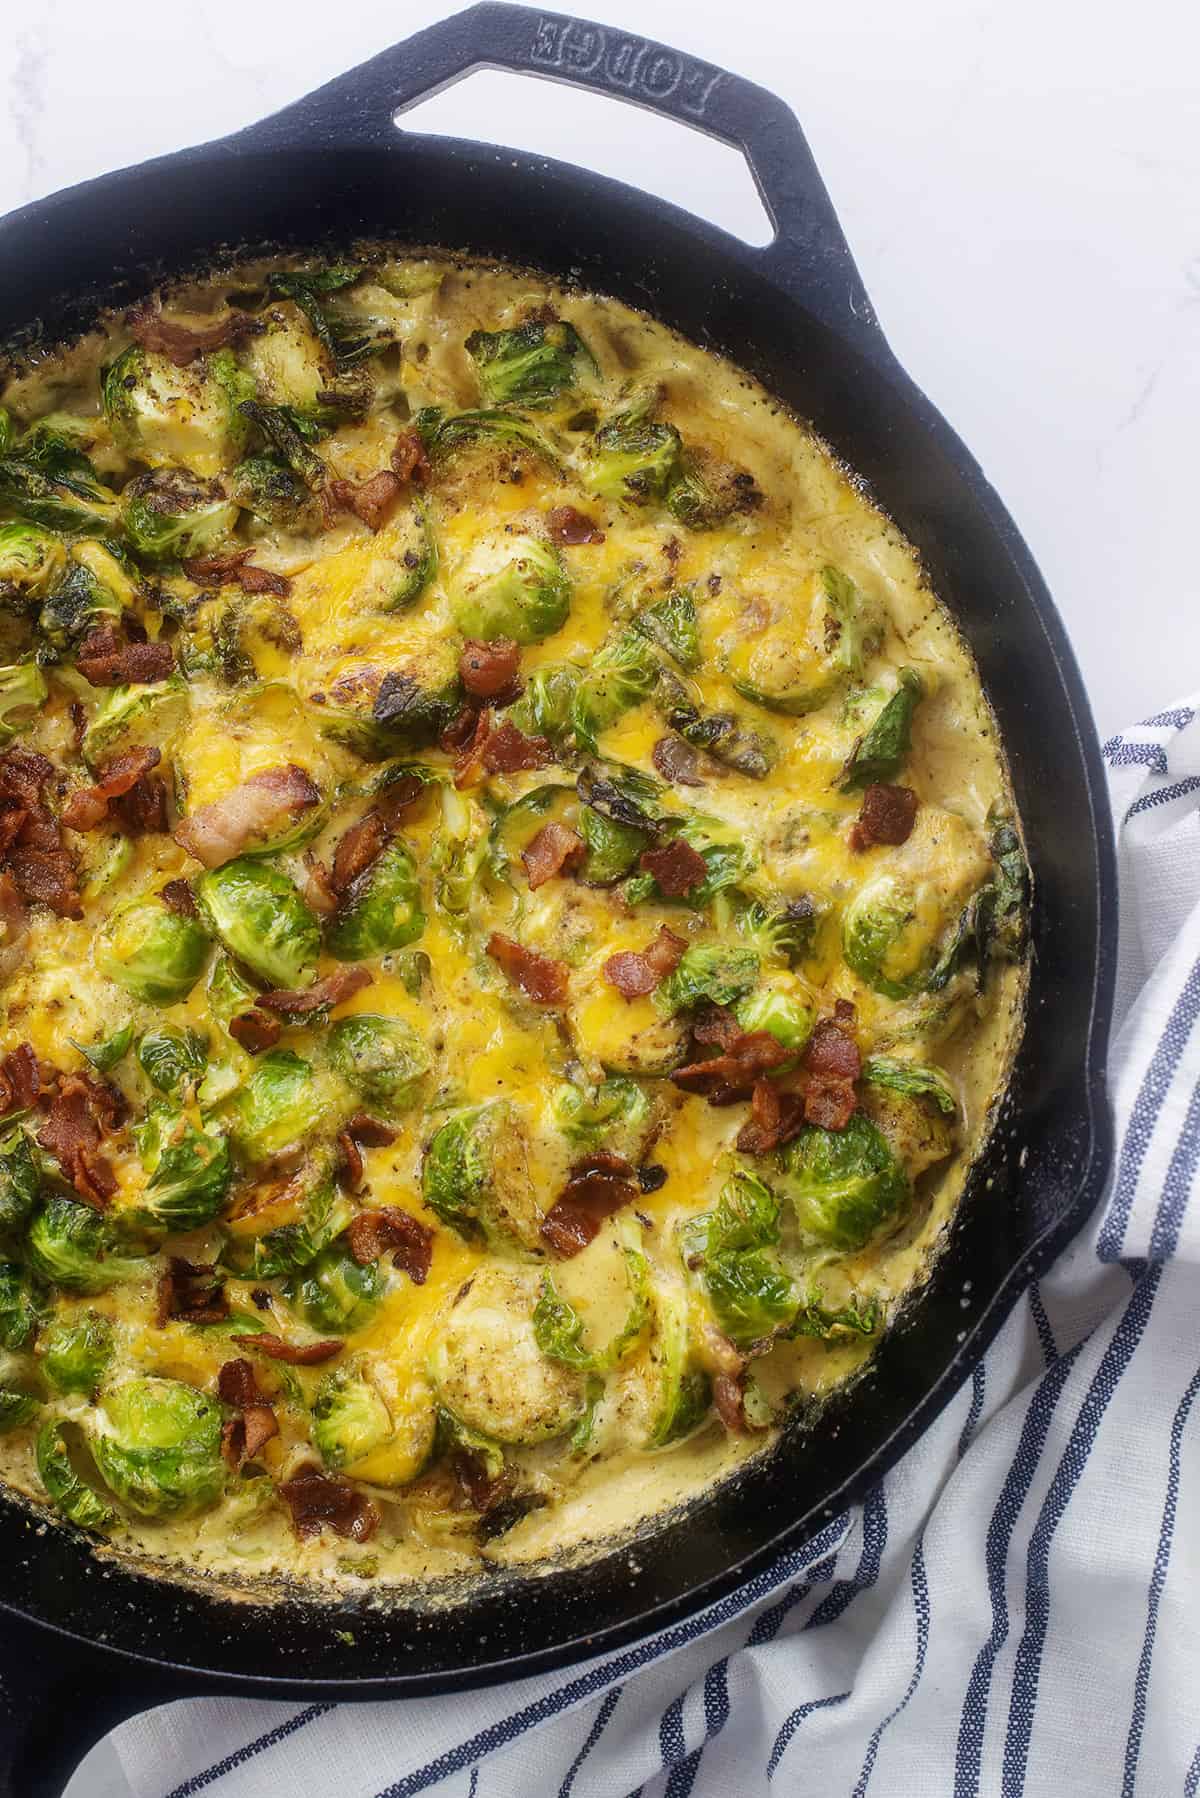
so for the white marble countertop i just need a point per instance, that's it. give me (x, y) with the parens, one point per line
(1018, 183)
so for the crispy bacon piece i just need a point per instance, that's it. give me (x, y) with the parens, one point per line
(251, 813)
(410, 461)
(31, 836)
(335, 987)
(296, 1354)
(377, 498)
(677, 762)
(831, 1050)
(829, 1101)
(82, 1110)
(887, 815)
(396, 799)
(106, 660)
(236, 568)
(89, 806)
(729, 1401)
(184, 343)
(554, 850)
(676, 866)
(369, 1132)
(357, 848)
(723, 1079)
(565, 525)
(191, 1294)
(467, 737)
(598, 1186)
(350, 1170)
(20, 1079)
(312, 878)
(636, 972)
(716, 1027)
(243, 1438)
(775, 1118)
(315, 1500)
(489, 670)
(387, 1228)
(178, 897)
(541, 979)
(509, 751)
(255, 1031)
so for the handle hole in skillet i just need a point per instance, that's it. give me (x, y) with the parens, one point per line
(624, 142)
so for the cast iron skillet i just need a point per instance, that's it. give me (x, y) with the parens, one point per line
(86, 1643)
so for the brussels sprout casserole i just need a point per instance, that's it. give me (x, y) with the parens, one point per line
(511, 920)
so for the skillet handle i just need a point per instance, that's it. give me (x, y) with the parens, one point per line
(58, 1699)
(808, 254)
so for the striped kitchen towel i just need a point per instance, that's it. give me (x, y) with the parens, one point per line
(1011, 1612)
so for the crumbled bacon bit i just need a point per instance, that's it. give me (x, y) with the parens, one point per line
(829, 1101)
(410, 461)
(332, 990)
(315, 1500)
(676, 866)
(31, 836)
(481, 1491)
(489, 670)
(716, 1027)
(397, 798)
(775, 1118)
(105, 660)
(672, 549)
(566, 525)
(243, 1438)
(374, 1232)
(541, 979)
(351, 1168)
(255, 1031)
(468, 735)
(20, 1079)
(182, 344)
(509, 751)
(119, 777)
(313, 880)
(729, 1401)
(238, 1386)
(190, 1294)
(887, 815)
(296, 1354)
(250, 813)
(831, 1064)
(82, 1110)
(236, 568)
(677, 762)
(357, 848)
(556, 849)
(636, 972)
(723, 1079)
(831, 1050)
(78, 716)
(598, 1186)
(178, 897)
(369, 1132)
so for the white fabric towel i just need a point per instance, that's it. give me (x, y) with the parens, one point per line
(1012, 1612)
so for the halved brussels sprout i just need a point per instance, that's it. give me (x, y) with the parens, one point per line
(682, 1391)
(16, 1409)
(620, 676)
(79, 1502)
(413, 547)
(335, 1294)
(797, 672)
(731, 1254)
(75, 1247)
(280, 1105)
(612, 848)
(544, 708)
(910, 1116)
(47, 478)
(285, 1225)
(32, 562)
(157, 1443)
(531, 365)
(708, 973)
(618, 1115)
(166, 415)
(23, 691)
(511, 586)
(476, 1177)
(276, 495)
(77, 1352)
(20, 1183)
(383, 1059)
(487, 1366)
(20, 1312)
(880, 753)
(172, 1059)
(172, 514)
(516, 825)
(129, 717)
(190, 1173)
(784, 1008)
(262, 920)
(631, 458)
(381, 910)
(846, 1186)
(156, 954)
(672, 622)
(781, 932)
(350, 1419)
(76, 604)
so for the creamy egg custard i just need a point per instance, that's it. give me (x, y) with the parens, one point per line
(512, 920)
